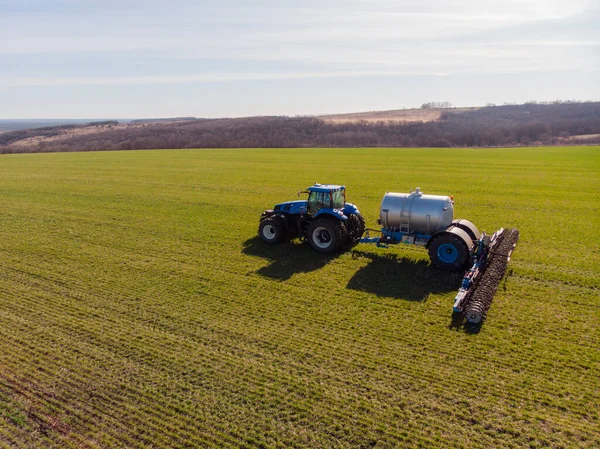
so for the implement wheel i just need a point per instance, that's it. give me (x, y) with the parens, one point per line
(272, 230)
(325, 235)
(449, 252)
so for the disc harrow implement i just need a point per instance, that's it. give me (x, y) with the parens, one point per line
(481, 282)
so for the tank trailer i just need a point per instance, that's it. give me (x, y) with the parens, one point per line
(329, 224)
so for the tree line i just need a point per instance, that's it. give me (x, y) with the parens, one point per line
(507, 125)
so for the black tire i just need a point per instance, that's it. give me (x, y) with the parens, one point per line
(325, 235)
(449, 252)
(357, 227)
(272, 230)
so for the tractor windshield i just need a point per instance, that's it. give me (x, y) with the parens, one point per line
(339, 199)
(318, 200)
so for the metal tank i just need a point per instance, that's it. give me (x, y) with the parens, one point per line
(416, 212)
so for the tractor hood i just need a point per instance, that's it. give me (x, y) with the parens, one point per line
(291, 207)
(294, 207)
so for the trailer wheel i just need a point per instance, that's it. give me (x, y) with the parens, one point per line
(272, 230)
(357, 227)
(448, 252)
(468, 227)
(325, 235)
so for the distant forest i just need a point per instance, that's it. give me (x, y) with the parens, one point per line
(508, 125)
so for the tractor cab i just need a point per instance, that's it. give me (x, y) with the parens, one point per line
(325, 196)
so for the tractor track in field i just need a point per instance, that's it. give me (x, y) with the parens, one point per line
(261, 311)
(555, 282)
(235, 337)
(232, 272)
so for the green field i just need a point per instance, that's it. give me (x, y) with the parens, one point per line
(138, 309)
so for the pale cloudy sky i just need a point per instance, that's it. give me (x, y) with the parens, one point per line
(149, 58)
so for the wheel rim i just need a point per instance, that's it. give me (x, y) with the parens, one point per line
(321, 237)
(269, 232)
(447, 253)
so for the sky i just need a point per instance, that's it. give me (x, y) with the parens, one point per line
(227, 58)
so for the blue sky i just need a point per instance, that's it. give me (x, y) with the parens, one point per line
(93, 59)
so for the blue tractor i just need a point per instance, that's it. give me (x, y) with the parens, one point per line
(325, 220)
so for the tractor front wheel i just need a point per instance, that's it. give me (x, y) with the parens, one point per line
(272, 230)
(325, 235)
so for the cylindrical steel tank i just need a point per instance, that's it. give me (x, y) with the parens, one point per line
(415, 212)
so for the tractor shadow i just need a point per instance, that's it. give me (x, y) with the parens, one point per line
(402, 278)
(287, 259)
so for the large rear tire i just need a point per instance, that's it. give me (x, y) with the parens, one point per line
(356, 224)
(325, 235)
(449, 252)
(272, 230)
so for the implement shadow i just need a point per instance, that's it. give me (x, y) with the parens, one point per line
(459, 323)
(401, 278)
(286, 259)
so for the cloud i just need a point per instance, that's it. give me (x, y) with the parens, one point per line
(180, 79)
(140, 80)
(66, 43)
(235, 27)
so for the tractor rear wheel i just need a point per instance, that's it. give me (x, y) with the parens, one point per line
(325, 235)
(449, 252)
(357, 227)
(272, 230)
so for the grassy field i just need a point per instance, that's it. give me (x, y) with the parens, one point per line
(137, 308)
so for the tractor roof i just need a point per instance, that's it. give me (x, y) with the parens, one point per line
(325, 188)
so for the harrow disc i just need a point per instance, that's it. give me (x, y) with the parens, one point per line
(474, 315)
(481, 298)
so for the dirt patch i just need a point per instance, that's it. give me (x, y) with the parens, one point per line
(400, 115)
(586, 137)
(68, 133)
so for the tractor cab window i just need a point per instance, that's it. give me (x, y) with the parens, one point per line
(318, 200)
(339, 199)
